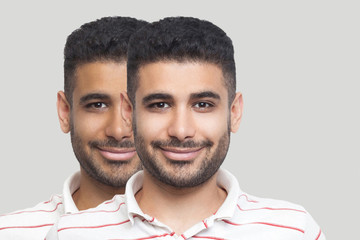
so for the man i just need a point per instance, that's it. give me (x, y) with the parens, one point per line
(95, 75)
(183, 106)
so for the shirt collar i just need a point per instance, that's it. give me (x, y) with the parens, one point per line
(229, 182)
(71, 184)
(133, 185)
(224, 179)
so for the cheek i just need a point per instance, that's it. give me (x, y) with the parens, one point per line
(88, 125)
(150, 126)
(212, 125)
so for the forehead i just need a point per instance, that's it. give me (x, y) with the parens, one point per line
(180, 78)
(106, 77)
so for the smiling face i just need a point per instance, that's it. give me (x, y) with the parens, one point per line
(102, 142)
(182, 121)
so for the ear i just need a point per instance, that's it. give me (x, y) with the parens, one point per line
(126, 108)
(63, 109)
(236, 112)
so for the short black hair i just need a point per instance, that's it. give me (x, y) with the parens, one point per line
(105, 39)
(181, 39)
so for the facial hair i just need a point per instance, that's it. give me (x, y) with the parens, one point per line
(92, 164)
(186, 176)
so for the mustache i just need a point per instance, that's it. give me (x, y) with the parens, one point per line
(112, 143)
(174, 142)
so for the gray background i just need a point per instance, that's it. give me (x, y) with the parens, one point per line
(297, 66)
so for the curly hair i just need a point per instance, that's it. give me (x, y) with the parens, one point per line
(105, 39)
(181, 39)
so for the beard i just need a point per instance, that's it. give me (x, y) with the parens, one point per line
(118, 172)
(182, 174)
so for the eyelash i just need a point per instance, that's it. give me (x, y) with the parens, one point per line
(161, 106)
(93, 105)
(156, 105)
(208, 104)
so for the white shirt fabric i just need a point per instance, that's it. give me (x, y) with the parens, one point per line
(35, 222)
(241, 216)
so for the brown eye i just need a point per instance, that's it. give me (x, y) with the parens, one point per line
(97, 105)
(159, 105)
(203, 105)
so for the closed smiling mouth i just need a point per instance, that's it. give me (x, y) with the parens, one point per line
(117, 154)
(181, 154)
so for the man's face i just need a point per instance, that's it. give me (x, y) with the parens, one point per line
(181, 121)
(102, 142)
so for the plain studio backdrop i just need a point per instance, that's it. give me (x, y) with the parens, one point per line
(297, 66)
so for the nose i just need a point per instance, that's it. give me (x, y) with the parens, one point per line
(116, 127)
(182, 125)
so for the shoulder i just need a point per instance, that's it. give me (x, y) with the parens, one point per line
(276, 214)
(34, 221)
(103, 213)
(254, 202)
(92, 223)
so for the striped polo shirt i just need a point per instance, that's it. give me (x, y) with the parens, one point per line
(35, 222)
(241, 216)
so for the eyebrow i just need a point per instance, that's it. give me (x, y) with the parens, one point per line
(156, 96)
(165, 96)
(92, 96)
(206, 94)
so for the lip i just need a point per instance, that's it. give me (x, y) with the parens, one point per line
(117, 154)
(181, 154)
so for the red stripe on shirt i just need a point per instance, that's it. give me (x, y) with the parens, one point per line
(183, 236)
(265, 223)
(110, 201)
(206, 226)
(36, 226)
(144, 219)
(91, 227)
(52, 198)
(97, 211)
(34, 211)
(268, 208)
(150, 237)
(247, 198)
(318, 236)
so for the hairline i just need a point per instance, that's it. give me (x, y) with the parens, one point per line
(78, 64)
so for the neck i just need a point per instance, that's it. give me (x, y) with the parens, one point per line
(179, 208)
(91, 192)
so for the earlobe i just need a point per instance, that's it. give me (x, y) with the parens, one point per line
(63, 109)
(126, 108)
(236, 112)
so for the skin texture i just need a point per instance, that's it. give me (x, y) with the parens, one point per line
(182, 122)
(102, 141)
